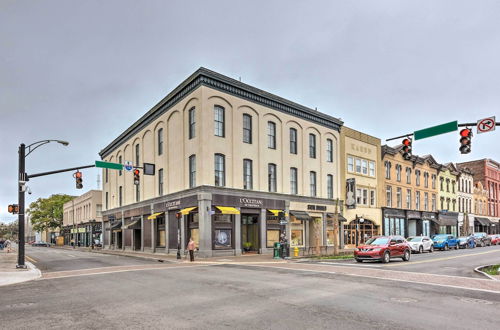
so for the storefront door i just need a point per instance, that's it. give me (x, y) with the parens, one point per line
(249, 232)
(137, 239)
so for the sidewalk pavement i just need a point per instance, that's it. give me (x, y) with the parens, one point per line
(8, 272)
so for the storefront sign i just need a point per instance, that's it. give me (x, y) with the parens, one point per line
(81, 230)
(413, 214)
(316, 207)
(249, 202)
(172, 205)
(350, 200)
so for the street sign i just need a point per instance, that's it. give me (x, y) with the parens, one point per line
(435, 130)
(112, 166)
(128, 166)
(486, 125)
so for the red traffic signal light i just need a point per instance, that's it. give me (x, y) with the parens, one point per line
(79, 179)
(13, 208)
(406, 150)
(178, 215)
(465, 141)
(137, 177)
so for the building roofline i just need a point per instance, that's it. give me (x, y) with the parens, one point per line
(212, 79)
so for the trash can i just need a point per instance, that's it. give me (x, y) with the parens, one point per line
(276, 250)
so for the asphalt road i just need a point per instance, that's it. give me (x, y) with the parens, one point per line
(453, 262)
(233, 296)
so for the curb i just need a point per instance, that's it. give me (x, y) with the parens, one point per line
(483, 273)
(32, 269)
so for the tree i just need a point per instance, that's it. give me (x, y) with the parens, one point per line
(47, 213)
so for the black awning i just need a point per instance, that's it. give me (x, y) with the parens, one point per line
(136, 224)
(332, 216)
(483, 221)
(449, 219)
(300, 215)
(117, 225)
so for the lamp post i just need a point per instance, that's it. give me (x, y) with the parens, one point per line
(92, 224)
(22, 178)
(178, 215)
(359, 220)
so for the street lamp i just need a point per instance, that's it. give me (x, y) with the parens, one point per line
(22, 178)
(359, 220)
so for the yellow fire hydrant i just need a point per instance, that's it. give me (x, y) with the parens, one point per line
(295, 251)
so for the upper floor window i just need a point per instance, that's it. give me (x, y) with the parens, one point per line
(271, 135)
(387, 170)
(388, 196)
(293, 141)
(293, 181)
(160, 182)
(160, 141)
(372, 168)
(447, 185)
(192, 171)
(441, 183)
(120, 161)
(433, 181)
(271, 183)
(247, 174)
(220, 170)
(247, 128)
(453, 186)
(106, 175)
(417, 177)
(408, 198)
(120, 196)
(329, 150)
(137, 155)
(329, 186)
(434, 202)
(426, 201)
(399, 198)
(398, 173)
(219, 117)
(350, 164)
(364, 166)
(192, 123)
(426, 180)
(312, 183)
(312, 145)
(107, 200)
(408, 175)
(417, 200)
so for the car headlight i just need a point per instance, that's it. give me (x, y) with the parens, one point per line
(357, 250)
(376, 249)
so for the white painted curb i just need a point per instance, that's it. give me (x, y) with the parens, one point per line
(483, 273)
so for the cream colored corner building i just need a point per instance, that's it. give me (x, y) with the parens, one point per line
(229, 157)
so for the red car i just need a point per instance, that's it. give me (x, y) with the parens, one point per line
(383, 248)
(495, 239)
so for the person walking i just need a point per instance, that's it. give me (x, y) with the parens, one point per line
(7, 245)
(2, 242)
(191, 246)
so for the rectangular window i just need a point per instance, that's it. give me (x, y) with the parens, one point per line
(293, 141)
(350, 164)
(388, 196)
(398, 173)
(426, 201)
(219, 116)
(372, 168)
(160, 142)
(160, 182)
(312, 146)
(398, 198)
(120, 196)
(312, 183)
(329, 150)
(364, 166)
(329, 186)
(192, 123)
(433, 181)
(365, 196)
(137, 155)
(220, 172)
(293, 181)
(426, 180)
(387, 170)
(107, 200)
(408, 198)
(137, 193)
(272, 236)
(106, 175)
(408, 175)
(358, 165)
(372, 197)
(271, 135)
(192, 171)
(271, 168)
(417, 177)
(120, 161)
(417, 200)
(247, 174)
(247, 128)
(358, 196)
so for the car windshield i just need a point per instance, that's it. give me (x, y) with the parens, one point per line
(478, 234)
(462, 238)
(414, 239)
(377, 241)
(439, 237)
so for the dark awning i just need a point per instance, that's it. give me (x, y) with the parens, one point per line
(483, 221)
(117, 225)
(448, 219)
(300, 215)
(332, 216)
(134, 224)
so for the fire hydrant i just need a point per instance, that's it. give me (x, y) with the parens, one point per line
(295, 251)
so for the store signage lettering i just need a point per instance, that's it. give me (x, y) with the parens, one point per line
(173, 204)
(316, 207)
(251, 202)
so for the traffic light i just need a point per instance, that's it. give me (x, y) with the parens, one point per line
(406, 148)
(13, 208)
(465, 140)
(137, 177)
(178, 215)
(79, 179)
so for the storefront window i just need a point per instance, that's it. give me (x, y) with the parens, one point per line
(222, 238)
(223, 231)
(394, 226)
(297, 229)
(329, 232)
(195, 235)
(272, 237)
(160, 232)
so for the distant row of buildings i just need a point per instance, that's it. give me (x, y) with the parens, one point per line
(230, 157)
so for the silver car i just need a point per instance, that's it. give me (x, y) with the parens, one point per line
(420, 244)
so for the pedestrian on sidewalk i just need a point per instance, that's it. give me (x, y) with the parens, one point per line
(7, 245)
(2, 242)
(191, 246)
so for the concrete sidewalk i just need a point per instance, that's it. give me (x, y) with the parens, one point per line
(8, 272)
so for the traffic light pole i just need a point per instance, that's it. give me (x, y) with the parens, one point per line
(21, 177)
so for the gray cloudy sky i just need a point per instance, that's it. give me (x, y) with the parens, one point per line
(84, 71)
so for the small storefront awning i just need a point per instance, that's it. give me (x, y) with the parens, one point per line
(116, 226)
(134, 224)
(276, 212)
(449, 219)
(300, 215)
(155, 215)
(187, 210)
(483, 221)
(332, 216)
(228, 210)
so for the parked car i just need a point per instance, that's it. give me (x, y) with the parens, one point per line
(383, 248)
(41, 244)
(445, 241)
(466, 242)
(495, 239)
(483, 238)
(420, 244)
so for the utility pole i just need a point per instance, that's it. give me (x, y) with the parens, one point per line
(336, 229)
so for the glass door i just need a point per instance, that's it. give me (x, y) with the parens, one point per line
(250, 233)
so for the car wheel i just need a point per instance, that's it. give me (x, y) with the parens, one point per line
(456, 247)
(482, 244)
(431, 249)
(359, 260)
(406, 256)
(421, 249)
(446, 247)
(387, 257)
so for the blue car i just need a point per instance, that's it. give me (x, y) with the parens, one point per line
(445, 242)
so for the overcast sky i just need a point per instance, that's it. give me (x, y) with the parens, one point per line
(84, 71)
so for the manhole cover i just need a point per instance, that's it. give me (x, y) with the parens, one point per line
(404, 300)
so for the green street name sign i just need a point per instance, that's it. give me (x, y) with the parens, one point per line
(435, 130)
(113, 166)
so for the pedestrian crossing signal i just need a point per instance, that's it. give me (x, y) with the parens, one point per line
(13, 208)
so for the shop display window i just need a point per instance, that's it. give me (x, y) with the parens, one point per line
(273, 236)
(222, 238)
